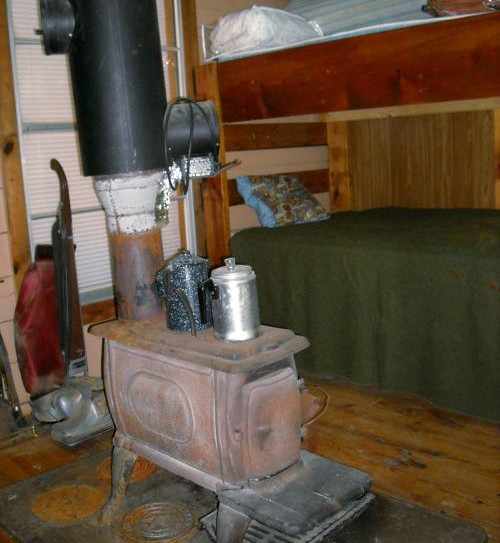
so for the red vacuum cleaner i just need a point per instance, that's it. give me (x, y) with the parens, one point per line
(49, 338)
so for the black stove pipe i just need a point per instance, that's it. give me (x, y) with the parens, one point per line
(117, 75)
(119, 94)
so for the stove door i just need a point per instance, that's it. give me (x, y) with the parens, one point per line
(273, 421)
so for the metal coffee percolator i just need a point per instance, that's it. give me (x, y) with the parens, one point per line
(234, 303)
(177, 284)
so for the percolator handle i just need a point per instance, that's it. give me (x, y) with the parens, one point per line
(206, 286)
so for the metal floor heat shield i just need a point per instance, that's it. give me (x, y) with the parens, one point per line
(260, 533)
(386, 520)
(304, 504)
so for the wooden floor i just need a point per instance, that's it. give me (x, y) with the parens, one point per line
(33, 456)
(434, 458)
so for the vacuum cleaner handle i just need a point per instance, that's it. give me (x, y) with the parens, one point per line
(70, 318)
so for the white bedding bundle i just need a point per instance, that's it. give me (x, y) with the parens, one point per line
(258, 28)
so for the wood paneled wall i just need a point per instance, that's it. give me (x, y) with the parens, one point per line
(10, 159)
(436, 160)
(441, 160)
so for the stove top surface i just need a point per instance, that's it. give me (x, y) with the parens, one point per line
(272, 344)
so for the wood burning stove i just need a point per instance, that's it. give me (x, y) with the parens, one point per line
(227, 416)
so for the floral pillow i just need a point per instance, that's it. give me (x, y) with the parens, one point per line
(280, 200)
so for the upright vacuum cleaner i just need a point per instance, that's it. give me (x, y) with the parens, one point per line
(49, 338)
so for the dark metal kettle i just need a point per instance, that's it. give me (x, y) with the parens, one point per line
(177, 285)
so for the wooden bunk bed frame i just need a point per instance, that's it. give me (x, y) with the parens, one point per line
(449, 66)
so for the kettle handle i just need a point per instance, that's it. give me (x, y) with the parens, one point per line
(204, 287)
(187, 306)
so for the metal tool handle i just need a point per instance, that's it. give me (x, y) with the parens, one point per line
(8, 378)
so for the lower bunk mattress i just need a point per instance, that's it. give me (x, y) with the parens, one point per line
(406, 300)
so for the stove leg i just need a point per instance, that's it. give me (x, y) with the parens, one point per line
(121, 471)
(231, 525)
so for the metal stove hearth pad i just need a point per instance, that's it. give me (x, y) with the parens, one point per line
(387, 520)
(304, 504)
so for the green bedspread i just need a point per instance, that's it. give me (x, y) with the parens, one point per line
(406, 300)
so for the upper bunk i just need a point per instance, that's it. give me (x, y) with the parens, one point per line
(448, 66)
(456, 60)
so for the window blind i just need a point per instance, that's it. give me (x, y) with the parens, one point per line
(47, 123)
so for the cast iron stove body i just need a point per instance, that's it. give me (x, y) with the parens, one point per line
(227, 416)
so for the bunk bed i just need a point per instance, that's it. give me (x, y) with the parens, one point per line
(447, 67)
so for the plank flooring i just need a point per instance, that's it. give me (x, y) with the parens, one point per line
(440, 460)
(432, 457)
(31, 457)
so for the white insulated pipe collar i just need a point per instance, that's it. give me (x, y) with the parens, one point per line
(129, 201)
